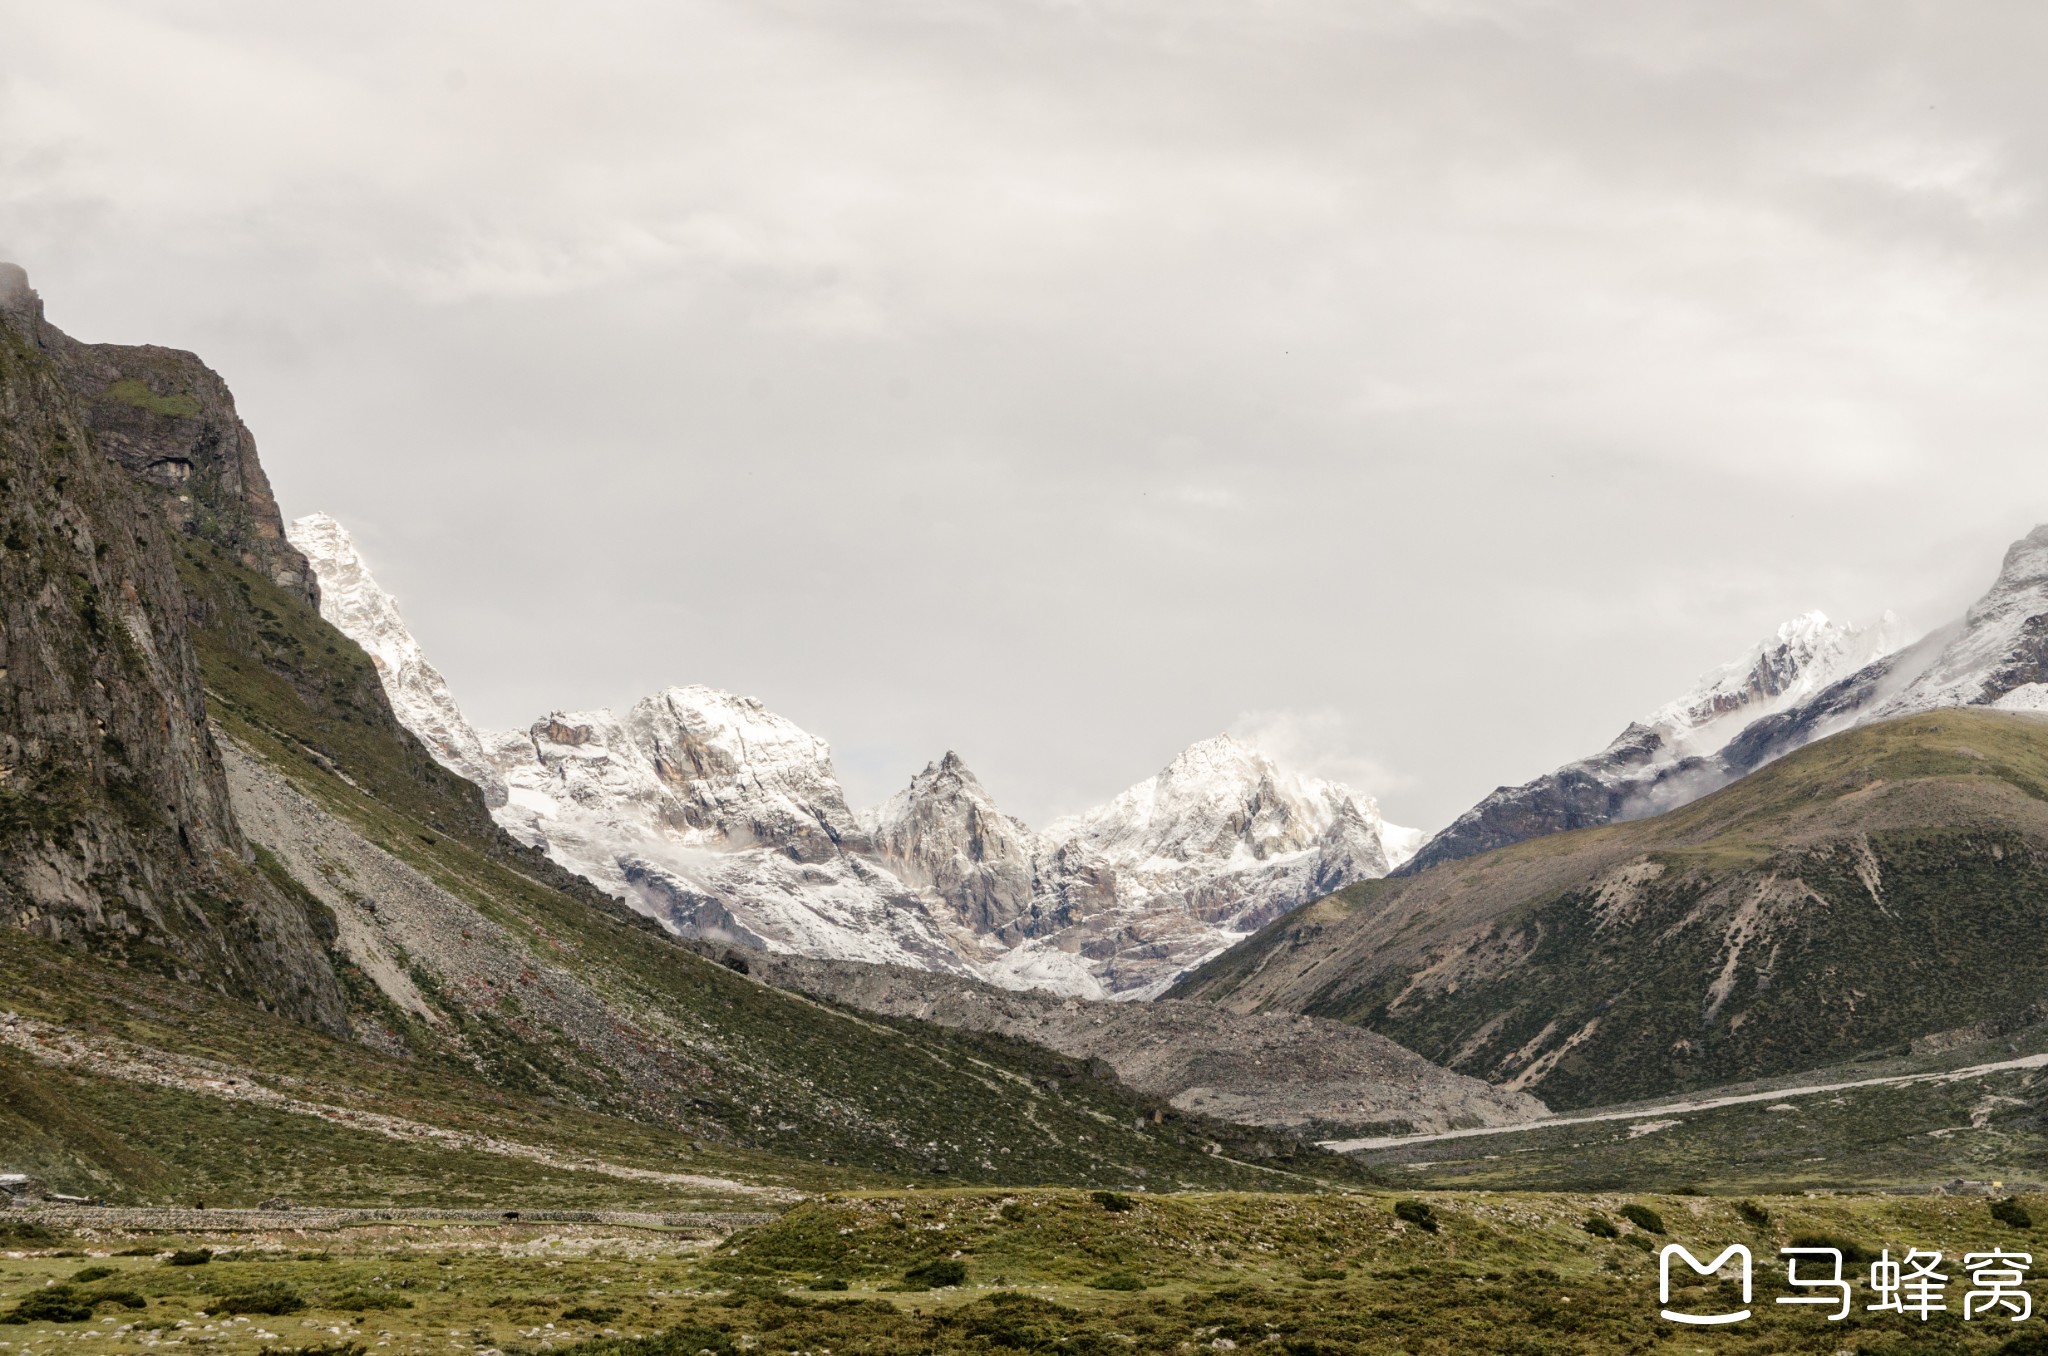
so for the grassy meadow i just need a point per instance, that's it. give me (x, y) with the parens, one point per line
(969, 1270)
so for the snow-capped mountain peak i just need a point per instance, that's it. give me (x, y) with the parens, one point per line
(944, 833)
(719, 817)
(1804, 655)
(1218, 798)
(2001, 647)
(1812, 679)
(1676, 751)
(740, 775)
(352, 602)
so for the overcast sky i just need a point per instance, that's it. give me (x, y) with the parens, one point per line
(1427, 388)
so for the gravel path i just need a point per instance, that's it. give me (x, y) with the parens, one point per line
(319, 1218)
(1646, 1113)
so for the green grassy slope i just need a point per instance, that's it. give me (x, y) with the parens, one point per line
(1878, 886)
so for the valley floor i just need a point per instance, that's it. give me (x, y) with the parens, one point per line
(1972, 1117)
(1694, 1105)
(991, 1271)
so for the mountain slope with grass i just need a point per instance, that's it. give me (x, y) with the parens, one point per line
(1880, 886)
(288, 946)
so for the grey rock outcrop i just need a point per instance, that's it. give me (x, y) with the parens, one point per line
(115, 826)
(170, 421)
(944, 833)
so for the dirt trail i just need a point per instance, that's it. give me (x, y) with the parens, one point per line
(321, 1219)
(1645, 1113)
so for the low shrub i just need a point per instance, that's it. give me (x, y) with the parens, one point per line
(189, 1257)
(588, 1313)
(52, 1304)
(827, 1283)
(27, 1231)
(1416, 1213)
(2010, 1211)
(1643, 1217)
(1753, 1212)
(1112, 1200)
(934, 1275)
(1009, 1322)
(91, 1274)
(1117, 1280)
(1599, 1226)
(272, 1297)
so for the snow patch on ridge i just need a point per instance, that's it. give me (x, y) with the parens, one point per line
(2001, 646)
(1802, 657)
(352, 602)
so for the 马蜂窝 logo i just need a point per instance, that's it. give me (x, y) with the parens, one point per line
(1671, 1250)
(1914, 1285)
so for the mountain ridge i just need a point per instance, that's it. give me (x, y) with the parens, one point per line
(1778, 923)
(1812, 679)
(1676, 752)
(724, 820)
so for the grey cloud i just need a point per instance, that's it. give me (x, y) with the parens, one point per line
(1060, 382)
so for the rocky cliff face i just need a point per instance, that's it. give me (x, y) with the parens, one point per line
(351, 601)
(115, 826)
(943, 833)
(170, 420)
